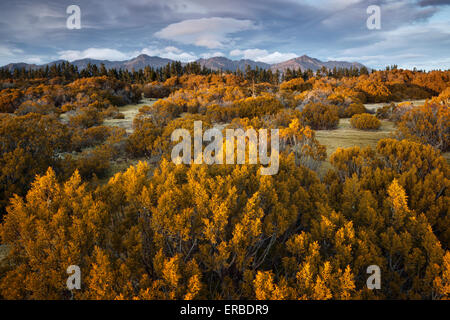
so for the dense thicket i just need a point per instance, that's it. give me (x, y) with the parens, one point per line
(156, 230)
(214, 232)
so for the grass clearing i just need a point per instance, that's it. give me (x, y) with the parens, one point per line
(345, 136)
(130, 111)
(374, 106)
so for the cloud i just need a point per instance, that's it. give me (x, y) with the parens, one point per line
(211, 33)
(434, 2)
(319, 28)
(93, 53)
(208, 55)
(9, 52)
(170, 52)
(35, 60)
(263, 55)
(393, 47)
(333, 4)
(394, 14)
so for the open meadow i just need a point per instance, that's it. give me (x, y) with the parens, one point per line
(129, 111)
(345, 136)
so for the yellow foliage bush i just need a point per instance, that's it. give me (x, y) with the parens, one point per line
(365, 121)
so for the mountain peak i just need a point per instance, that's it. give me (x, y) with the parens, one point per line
(214, 58)
(223, 63)
(305, 62)
(142, 56)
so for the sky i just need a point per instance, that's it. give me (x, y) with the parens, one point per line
(412, 33)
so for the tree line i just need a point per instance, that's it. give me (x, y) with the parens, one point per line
(70, 72)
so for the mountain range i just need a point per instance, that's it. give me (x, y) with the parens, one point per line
(215, 63)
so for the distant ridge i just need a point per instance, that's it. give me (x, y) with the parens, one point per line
(215, 63)
(22, 65)
(225, 64)
(140, 62)
(304, 63)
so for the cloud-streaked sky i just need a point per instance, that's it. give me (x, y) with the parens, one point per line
(414, 33)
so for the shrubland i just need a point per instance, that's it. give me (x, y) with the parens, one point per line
(157, 230)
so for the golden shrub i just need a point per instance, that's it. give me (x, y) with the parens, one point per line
(365, 121)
